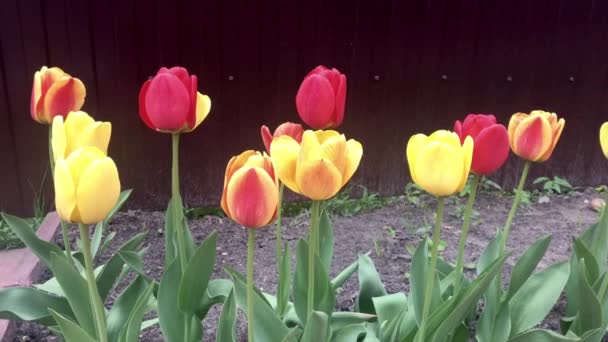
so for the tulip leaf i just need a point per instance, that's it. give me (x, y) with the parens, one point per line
(217, 292)
(461, 334)
(589, 315)
(487, 319)
(111, 272)
(324, 296)
(526, 264)
(541, 335)
(419, 270)
(267, 326)
(346, 273)
(343, 318)
(317, 328)
(119, 313)
(124, 196)
(30, 304)
(370, 286)
(102, 225)
(391, 310)
(25, 233)
(293, 335)
(326, 240)
(227, 321)
(71, 331)
(284, 287)
(583, 252)
(349, 333)
(130, 331)
(170, 241)
(195, 279)
(537, 296)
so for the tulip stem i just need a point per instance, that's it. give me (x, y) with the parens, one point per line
(96, 302)
(430, 276)
(64, 225)
(250, 303)
(463, 234)
(313, 238)
(280, 300)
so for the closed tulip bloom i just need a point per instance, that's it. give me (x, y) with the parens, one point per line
(533, 136)
(321, 98)
(491, 142)
(79, 130)
(55, 93)
(604, 138)
(439, 163)
(318, 167)
(287, 128)
(86, 186)
(251, 190)
(170, 102)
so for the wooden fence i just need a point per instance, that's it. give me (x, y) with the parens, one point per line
(412, 66)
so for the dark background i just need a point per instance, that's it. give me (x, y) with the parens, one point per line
(412, 66)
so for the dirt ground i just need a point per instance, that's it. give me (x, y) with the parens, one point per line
(385, 231)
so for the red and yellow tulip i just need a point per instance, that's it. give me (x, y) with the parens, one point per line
(533, 136)
(287, 128)
(318, 167)
(251, 190)
(54, 93)
(79, 130)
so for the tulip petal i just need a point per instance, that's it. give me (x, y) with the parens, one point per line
(252, 197)
(323, 135)
(340, 102)
(491, 150)
(467, 157)
(604, 138)
(557, 129)
(532, 138)
(446, 137)
(439, 169)
(35, 98)
(143, 113)
(315, 101)
(97, 134)
(75, 124)
(65, 191)
(354, 153)
(203, 106)
(513, 123)
(310, 147)
(266, 137)
(98, 190)
(167, 102)
(334, 150)
(58, 138)
(65, 95)
(318, 179)
(414, 146)
(234, 164)
(79, 160)
(284, 152)
(193, 115)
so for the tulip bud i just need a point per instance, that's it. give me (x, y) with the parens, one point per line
(321, 98)
(79, 130)
(604, 138)
(293, 130)
(533, 136)
(55, 93)
(320, 166)
(251, 190)
(439, 163)
(87, 186)
(170, 102)
(491, 142)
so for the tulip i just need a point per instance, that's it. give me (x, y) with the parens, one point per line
(321, 98)
(86, 186)
(170, 102)
(55, 93)
(491, 142)
(251, 193)
(439, 163)
(79, 130)
(533, 136)
(318, 167)
(287, 128)
(604, 138)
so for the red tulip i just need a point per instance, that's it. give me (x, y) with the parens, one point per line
(55, 93)
(170, 102)
(491, 142)
(321, 98)
(287, 128)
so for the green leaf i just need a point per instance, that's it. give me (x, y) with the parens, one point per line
(526, 264)
(324, 299)
(130, 331)
(343, 276)
(101, 226)
(293, 336)
(170, 241)
(111, 271)
(195, 279)
(389, 306)
(30, 304)
(326, 240)
(589, 315)
(71, 331)
(419, 270)
(124, 196)
(486, 324)
(217, 292)
(489, 254)
(284, 287)
(343, 318)
(316, 329)
(96, 240)
(461, 334)
(370, 285)
(25, 233)
(119, 313)
(539, 335)
(267, 327)
(227, 321)
(583, 252)
(349, 333)
(133, 260)
(76, 291)
(537, 296)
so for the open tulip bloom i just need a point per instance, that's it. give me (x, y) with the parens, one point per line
(54, 93)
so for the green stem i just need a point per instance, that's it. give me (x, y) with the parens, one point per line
(465, 231)
(313, 242)
(64, 225)
(96, 302)
(430, 276)
(280, 298)
(250, 308)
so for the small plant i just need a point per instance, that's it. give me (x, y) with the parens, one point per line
(413, 193)
(485, 184)
(555, 186)
(459, 211)
(344, 205)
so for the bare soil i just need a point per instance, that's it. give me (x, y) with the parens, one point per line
(385, 232)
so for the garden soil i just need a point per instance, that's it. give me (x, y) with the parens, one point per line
(387, 232)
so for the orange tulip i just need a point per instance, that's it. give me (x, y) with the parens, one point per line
(55, 93)
(251, 189)
(533, 136)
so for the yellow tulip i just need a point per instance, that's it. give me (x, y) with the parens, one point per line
(79, 130)
(318, 167)
(533, 136)
(86, 186)
(439, 163)
(604, 138)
